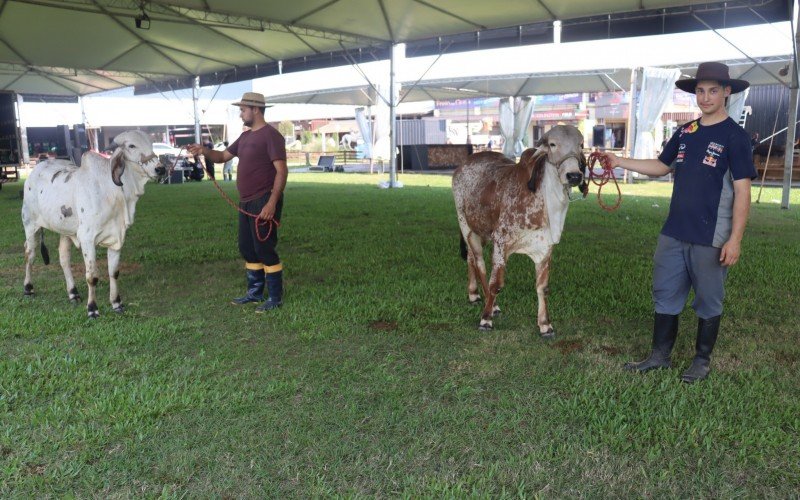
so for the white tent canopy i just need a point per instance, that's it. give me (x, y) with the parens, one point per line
(544, 69)
(77, 47)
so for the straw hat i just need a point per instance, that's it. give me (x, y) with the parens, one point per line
(252, 99)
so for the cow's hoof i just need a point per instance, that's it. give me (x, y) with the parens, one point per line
(28, 290)
(495, 312)
(549, 334)
(474, 300)
(485, 326)
(93, 314)
(119, 309)
(75, 300)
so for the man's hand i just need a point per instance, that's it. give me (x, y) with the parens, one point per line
(195, 149)
(268, 212)
(730, 253)
(612, 159)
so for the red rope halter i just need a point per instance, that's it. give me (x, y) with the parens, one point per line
(602, 179)
(260, 223)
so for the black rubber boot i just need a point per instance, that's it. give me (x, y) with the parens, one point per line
(665, 331)
(255, 288)
(707, 330)
(275, 291)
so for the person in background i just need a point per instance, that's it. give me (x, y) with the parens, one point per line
(227, 168)
(712, 162)
(260, 180)
(209, 162)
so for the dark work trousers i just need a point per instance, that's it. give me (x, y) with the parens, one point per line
(253, 250)
(680, 266)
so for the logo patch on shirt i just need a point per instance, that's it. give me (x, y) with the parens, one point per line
(712, 154)
(690, 128)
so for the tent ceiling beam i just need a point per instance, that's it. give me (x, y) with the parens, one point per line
(415, 84)
(136, 35)
(737, 48)
(451, 14)
(121, 55)
(547, 9)
(15, 80)
(313, 11)
(30, 67)
(386, 20)
(216, 31)
(165, 12)
(186, 52)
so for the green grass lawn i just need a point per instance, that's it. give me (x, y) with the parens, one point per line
(373, 379)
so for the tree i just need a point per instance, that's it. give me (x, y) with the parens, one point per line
(286, 128)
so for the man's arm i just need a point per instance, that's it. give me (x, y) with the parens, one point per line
(653, 168)
(282, 172)
(741, 209)
(215, 156)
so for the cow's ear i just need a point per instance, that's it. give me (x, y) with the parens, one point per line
(537, 169)
(542, 143)
(117, 166)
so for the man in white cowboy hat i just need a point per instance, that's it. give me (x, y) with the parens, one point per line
(261, 177)
(712, 163)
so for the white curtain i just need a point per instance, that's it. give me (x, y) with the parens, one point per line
(522, 119)
(382, 144)
(736, 104)
(364, 129)
(507, 126)
(657, 88)
(515, 116)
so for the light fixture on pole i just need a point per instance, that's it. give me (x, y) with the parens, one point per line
(142, 20)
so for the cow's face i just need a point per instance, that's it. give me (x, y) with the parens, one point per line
(563, 145)
(136, 148)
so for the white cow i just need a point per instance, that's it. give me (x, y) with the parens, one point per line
(90, 205)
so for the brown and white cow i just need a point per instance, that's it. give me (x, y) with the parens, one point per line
(520, 208)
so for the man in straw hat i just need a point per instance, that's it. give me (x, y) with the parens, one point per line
(260, 180)
(712, 163)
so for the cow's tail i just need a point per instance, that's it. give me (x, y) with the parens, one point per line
(43, 248)
(464, 252)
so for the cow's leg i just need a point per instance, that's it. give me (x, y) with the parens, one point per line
(90, 260)
(30, 255)
(542, 290)
(490, 308)
(476, 268)
(113, 274)
(64, 253)
(472, 285)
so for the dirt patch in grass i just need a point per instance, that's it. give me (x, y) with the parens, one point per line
(610, 350)
(727, 363)
(786, 358)
(383, 326)
(568, 346)
(35, 469)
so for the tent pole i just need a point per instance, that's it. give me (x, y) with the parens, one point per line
(195, 99)
(790, 132)
(392, 116)
(630, 135)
